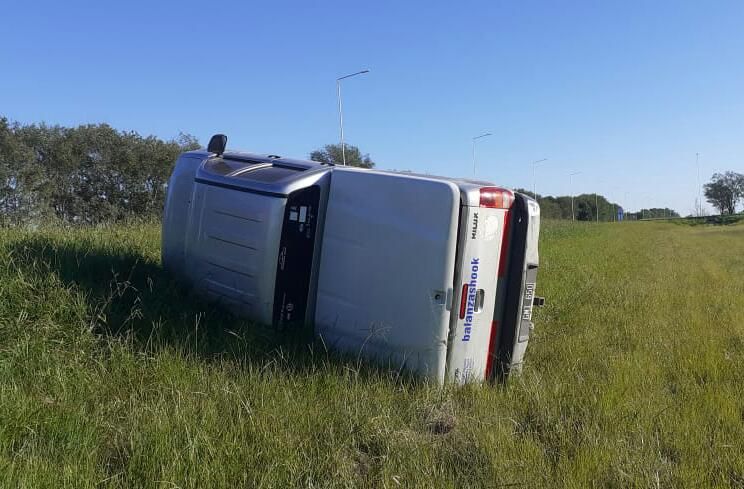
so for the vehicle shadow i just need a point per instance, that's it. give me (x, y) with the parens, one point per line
(129, 296)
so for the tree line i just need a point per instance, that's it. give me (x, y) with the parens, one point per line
(85, 175)
(585, 207)
(94, 173)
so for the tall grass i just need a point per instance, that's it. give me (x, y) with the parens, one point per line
(112, 375)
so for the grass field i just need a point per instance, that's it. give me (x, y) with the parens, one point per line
(112, 376)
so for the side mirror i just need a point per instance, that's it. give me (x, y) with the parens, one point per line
(217, 144)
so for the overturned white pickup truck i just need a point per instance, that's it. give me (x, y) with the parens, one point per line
(431, 274)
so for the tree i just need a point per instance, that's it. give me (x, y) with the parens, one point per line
(584, 209)
(21, 178)
(331, 154)
(654, 213)
(725, 190)
(86, 174)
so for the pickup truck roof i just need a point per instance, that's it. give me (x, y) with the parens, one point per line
(278, 173)
(269, 175)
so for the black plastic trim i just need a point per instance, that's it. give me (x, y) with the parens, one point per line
(240, 189)
(510, 321)
(295, 261)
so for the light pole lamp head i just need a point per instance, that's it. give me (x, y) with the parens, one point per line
(352, 74)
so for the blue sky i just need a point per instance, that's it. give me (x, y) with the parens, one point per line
(625, 92)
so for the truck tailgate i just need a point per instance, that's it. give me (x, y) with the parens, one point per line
(479, 253)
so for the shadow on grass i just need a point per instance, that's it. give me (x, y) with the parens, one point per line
(130, 296)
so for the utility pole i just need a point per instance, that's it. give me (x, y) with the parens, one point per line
(626, 199)
(596, 206)
(474, 139)
(615, 191)
(570, 189)
(341, 112)
(534, 185)
(648, 213)
(700, 189)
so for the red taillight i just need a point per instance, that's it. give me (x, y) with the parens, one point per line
(505, 243)
(496, 198)
(463, 300)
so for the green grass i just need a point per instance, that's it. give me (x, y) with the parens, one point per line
(112, 376)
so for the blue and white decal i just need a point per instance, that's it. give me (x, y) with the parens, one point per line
(472, 288)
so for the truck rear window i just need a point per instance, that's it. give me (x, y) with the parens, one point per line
(222, 166)
(268, 173)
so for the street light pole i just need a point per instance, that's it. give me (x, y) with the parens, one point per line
(570, 187)
(700, 194)
(478, 137)
(646, 213)
(626, 199)
(341, 112)
(534, 185)
(615, 191)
